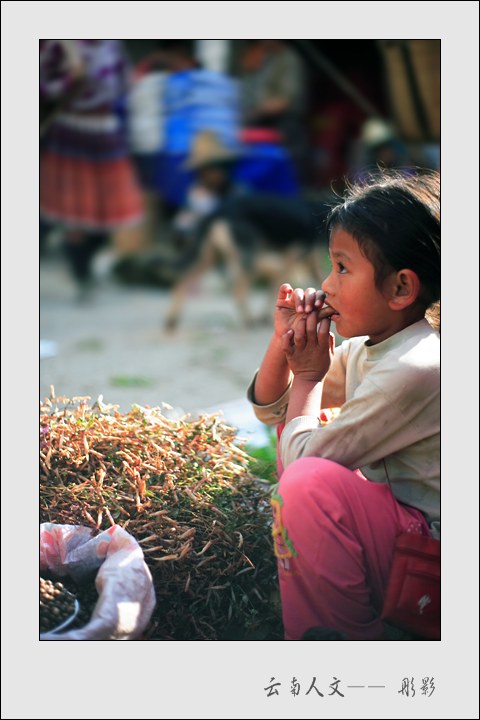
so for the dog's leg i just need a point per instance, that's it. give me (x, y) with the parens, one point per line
(223, 241)
(181, 290)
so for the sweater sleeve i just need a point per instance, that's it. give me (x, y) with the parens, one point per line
(333, 392)
(275, 412)
(394, 407)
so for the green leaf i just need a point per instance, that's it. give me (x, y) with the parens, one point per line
(131, 381)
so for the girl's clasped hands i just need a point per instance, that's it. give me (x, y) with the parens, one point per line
(302, 324)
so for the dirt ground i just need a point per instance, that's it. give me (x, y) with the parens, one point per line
(114, 345)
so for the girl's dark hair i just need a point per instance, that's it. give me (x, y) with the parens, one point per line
(395, 219)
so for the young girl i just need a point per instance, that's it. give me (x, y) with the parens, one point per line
(348, 487)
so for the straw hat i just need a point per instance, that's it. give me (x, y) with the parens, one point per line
(207, 149)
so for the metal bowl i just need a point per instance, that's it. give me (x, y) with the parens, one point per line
(68, 620)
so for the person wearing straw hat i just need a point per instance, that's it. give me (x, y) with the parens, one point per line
(207, 150)
(253, 234)
(212, 163)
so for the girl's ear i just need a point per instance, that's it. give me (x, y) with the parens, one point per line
(404, 289)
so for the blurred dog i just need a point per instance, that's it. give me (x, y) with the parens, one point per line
(253, 236)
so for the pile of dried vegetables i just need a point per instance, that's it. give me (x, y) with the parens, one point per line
(182, 488)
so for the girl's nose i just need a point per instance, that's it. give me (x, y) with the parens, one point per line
(326, 285)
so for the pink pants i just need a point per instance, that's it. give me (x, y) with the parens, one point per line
(334, 534)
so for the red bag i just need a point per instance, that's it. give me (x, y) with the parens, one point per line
(412, 600)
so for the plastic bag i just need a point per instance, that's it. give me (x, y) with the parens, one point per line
(123, 581)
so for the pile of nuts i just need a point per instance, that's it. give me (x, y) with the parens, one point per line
(87, 596)
(56, 605)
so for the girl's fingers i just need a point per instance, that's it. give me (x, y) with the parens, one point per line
(300, 336)
(284, 291)
(324, 329)
(286, 342)
(304, 300)
(285, 297)
(311, 325)
(299, 296)
(319, 298)
(309, 299)
(325, 312)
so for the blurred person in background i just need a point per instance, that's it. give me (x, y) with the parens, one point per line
(196, 99)
(378, 147)
(275, 95)
(253, 234)
(87, 181)
(212, 164)
(183, 105)
(189, 99)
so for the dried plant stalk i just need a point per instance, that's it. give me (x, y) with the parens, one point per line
(182, 488)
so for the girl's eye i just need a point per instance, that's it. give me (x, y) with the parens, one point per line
(341, 267)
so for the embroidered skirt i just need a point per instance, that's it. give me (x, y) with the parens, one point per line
(87, 180)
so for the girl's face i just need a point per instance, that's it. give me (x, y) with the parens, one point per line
(361, 309)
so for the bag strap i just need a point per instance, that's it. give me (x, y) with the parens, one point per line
(395, 501)
(388, 480)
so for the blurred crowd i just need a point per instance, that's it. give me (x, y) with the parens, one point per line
(162, 144)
